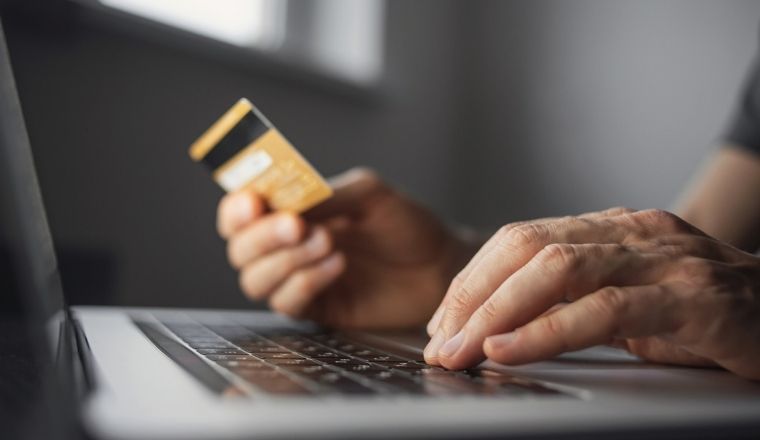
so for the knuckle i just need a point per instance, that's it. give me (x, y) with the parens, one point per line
(367, 175)
(609, 301)
(518, 236)
(457, 282)
(553, 328)
(460, 301)
(559, 257)
(504, 231)
(619, 210)
(697, 270)
(488, 311)
(663, 220)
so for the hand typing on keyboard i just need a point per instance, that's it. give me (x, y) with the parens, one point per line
(646, 281)
(368, 257)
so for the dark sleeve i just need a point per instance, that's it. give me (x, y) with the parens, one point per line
(744, 128)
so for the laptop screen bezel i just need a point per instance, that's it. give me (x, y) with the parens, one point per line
(32, 256)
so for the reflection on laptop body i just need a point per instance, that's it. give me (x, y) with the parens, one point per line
(172, 373)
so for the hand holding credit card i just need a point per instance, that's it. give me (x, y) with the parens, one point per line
(244, 150)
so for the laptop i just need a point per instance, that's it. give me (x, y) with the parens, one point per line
(131, 373)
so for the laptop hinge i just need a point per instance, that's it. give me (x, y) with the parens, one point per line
(84, 374)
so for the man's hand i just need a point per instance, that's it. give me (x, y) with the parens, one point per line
(368, 257)
(646, 281)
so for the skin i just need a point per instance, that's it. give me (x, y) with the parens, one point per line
(369, 257)
(646, 281)
(723, 199)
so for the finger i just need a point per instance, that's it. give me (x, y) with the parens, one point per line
(259, 279)
(655, 223)
(559, 272)
(456, 284)
(514, 248)
(304, 285)
(612, 312)
(352, 190)
(698, 246)
(236, 210)
(435, 320)
(265, 235)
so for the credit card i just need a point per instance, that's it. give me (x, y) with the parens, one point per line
(244, 150)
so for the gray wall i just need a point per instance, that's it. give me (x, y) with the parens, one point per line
(111, 116)
(584, 104)
(491, 111)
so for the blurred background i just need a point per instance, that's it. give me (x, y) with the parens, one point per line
(488, 111)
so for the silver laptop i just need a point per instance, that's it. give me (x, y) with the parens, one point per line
(172, 373)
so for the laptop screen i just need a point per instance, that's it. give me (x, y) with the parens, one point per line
(36, 360)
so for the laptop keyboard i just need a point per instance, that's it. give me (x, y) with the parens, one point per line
(287, 363)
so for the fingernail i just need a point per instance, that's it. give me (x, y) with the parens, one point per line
(286, 229)
(452, 345)
(317, 242)
(431, 351)
(499, 341)
(432, 325)
(241, 208)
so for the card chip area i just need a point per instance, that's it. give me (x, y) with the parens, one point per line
(244, 150)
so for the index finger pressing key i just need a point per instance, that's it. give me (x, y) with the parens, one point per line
(557, 273)
(514, 248)
(434, 323)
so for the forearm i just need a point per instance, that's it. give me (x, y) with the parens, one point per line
(724, 199)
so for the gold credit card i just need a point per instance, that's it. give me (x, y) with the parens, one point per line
(244, 150)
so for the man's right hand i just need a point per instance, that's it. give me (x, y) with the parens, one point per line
(366, 258)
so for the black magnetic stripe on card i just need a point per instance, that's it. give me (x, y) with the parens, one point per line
(247, 130)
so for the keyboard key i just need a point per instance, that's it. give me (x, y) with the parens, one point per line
(292, 362)
(324, 355)
(338, 361)
(278, 355)
(229, 357)
(397, 364)
(308, 371)
(267, 349)
(230, 350)
(202, 340)
(342, 384)
(310, 349)
(218, 344)
(363, 352)
(364, 369)
(400, 381)
(245, 365)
